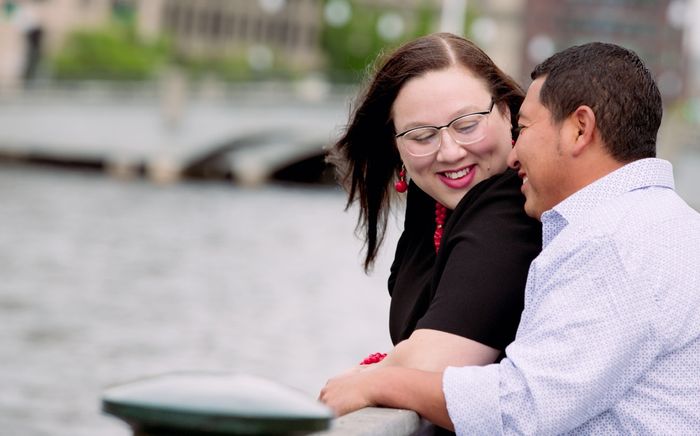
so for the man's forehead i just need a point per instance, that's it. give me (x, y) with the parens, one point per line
(532, 99)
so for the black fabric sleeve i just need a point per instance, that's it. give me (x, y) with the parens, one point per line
(482, 266)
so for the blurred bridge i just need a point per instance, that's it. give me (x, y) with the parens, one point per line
(248, 137)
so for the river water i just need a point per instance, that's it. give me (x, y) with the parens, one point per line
(103, 281)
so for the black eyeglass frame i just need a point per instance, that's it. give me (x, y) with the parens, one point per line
(438, 128)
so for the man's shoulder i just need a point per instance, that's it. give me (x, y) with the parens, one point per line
(640, 214)
(645, 228)
(650, 213)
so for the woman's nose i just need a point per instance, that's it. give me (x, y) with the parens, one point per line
(449, 149)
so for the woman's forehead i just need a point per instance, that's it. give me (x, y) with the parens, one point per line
(440, 93)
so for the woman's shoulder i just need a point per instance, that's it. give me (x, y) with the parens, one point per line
(507, 180)
(498, 191)
(496, 207)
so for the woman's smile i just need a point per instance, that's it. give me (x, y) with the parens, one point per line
(458, 179)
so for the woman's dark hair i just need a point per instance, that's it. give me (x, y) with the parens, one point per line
(616, 85)
(366, 157)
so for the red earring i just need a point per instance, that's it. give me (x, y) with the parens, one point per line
(401, 186)
(512, 142)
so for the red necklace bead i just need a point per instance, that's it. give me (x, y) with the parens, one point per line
(373, 358)
(440, 214)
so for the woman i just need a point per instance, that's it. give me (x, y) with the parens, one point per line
(440, 113)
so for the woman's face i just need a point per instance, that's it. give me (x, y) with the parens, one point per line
(435, 99)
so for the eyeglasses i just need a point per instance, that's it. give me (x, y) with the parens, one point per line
(426, 140)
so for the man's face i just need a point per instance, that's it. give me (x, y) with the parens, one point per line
(538, 156)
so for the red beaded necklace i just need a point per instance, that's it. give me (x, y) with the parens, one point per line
(440, 214)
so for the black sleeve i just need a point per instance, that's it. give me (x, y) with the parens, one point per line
(482, 266)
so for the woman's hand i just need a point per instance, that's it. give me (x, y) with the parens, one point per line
(390, 386)
(349, 391)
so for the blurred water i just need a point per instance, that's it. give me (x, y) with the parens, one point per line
(103, 281)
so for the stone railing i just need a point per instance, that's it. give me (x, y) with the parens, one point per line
(374, 421)
(207, 404)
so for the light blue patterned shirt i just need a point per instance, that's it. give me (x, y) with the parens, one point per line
(609, 340)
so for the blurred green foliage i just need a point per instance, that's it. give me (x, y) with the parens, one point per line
(113, 53)
(354, 46)
(9, 8)
(233, 68)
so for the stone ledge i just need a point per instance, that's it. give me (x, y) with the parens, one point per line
(375, 421)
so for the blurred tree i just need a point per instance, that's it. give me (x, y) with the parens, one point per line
(355, 34)
(123, 11)
(9, 8)
(114, 53)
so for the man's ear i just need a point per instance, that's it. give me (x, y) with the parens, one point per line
(583, 126)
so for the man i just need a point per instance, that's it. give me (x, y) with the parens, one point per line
(609, 340)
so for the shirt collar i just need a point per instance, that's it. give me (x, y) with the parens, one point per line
(634, 175)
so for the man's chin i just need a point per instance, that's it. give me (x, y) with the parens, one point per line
(532, 211)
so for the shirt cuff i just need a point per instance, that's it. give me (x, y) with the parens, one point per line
(472, 397)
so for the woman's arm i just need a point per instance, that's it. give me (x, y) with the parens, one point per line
(409, 377)
(434, 350)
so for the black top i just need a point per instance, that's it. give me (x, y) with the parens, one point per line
(474, 287)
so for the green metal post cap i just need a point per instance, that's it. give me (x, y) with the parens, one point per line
(213, 404)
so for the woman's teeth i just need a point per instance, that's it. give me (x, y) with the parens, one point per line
(456, 174)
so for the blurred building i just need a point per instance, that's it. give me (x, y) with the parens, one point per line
(498, 29)
(257, 31)
(692, 47)
(516, 33)
(200, 29)
(56, 18)
(652, 28)
(220, 28)
(31, 27)
(288, 29)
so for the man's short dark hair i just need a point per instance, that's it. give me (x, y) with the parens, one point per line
(616, 85)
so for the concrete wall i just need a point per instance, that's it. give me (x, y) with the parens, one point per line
(375, 421)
